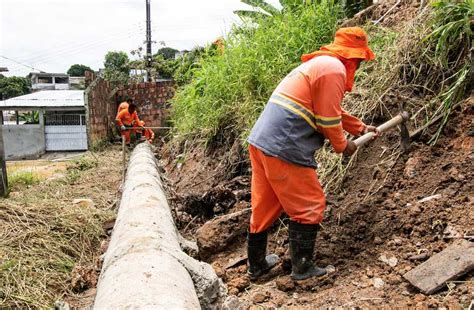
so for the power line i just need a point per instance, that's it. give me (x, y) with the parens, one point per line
(88, 47)
(83, 46)
(20, 63)
(70, 45)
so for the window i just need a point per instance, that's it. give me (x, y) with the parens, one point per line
(45, 80)
(61, 80)
(20, 117)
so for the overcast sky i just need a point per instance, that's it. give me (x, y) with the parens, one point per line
(51, 35)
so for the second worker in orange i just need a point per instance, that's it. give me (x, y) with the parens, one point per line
(303, 111)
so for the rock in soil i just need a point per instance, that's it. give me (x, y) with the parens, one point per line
(260, 297)
(378, 282)
(232, 303)
(391, 261)
(285, 284)
(239, 284)
(419, 257)
(228, 228)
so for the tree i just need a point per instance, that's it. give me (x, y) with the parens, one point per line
(165, 68)
(187, 65)
(117, 61)
(13, 86)
(117, 67)
(78, 70)
(167, 52)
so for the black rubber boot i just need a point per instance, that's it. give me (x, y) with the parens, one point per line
(302, 239)
(258, 262)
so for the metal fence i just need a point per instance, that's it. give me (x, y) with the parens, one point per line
(64, 119)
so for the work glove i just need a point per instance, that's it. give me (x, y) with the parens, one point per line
(123, 128)
(350, 148)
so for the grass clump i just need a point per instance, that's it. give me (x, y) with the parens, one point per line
(83, 163)
(76, 167)
(23, 178)
(449, 48)
(228, 91)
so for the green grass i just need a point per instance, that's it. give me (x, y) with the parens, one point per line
(426, 68)
(228, 91)
(23, 178)
(76, 167)
(83, 163)
(450, 45)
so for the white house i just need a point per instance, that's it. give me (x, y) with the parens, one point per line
(49, 81)
(57, 122)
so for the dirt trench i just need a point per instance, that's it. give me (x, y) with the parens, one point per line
(376, 218)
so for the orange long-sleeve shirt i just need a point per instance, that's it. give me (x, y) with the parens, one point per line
(122, 106)
(124, 118)
(320, 89)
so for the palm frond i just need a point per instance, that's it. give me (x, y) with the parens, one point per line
(261, 4)
(253, 16)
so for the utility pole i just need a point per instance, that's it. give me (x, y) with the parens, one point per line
(148, 41)
(3, 165)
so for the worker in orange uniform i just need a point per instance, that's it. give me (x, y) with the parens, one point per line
(126, 119)
(303, 111)
(146, 132)
(124, 105)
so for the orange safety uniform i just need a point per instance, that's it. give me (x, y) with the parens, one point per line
(124, 118)
(122, 106)
(302, 112)
(147, 133)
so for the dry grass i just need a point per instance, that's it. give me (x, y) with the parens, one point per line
(410, 73)
(43, 235)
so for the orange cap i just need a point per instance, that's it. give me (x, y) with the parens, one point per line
(349, 43)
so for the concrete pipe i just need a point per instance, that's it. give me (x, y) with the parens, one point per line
(144, 266)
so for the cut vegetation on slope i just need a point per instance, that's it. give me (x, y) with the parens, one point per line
(377, 211)
(45, 234)
(426, 69)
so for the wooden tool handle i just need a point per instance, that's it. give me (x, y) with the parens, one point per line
(400, 118)
(146, 127)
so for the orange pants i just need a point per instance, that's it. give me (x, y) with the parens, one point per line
(281, 186)
(149, 135)
(127, 134)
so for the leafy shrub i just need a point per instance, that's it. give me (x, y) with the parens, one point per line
(187, 65)
(228, 91)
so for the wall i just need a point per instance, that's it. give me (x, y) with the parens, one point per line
(100, 108)
(24, 141)
(102, 102)
(152, 99)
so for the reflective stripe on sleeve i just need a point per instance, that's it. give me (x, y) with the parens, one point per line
(299, 109)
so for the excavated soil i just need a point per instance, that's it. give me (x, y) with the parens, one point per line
(375, 230)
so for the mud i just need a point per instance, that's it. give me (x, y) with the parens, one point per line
(395, 211)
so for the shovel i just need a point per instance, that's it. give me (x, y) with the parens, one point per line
(401, 120)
